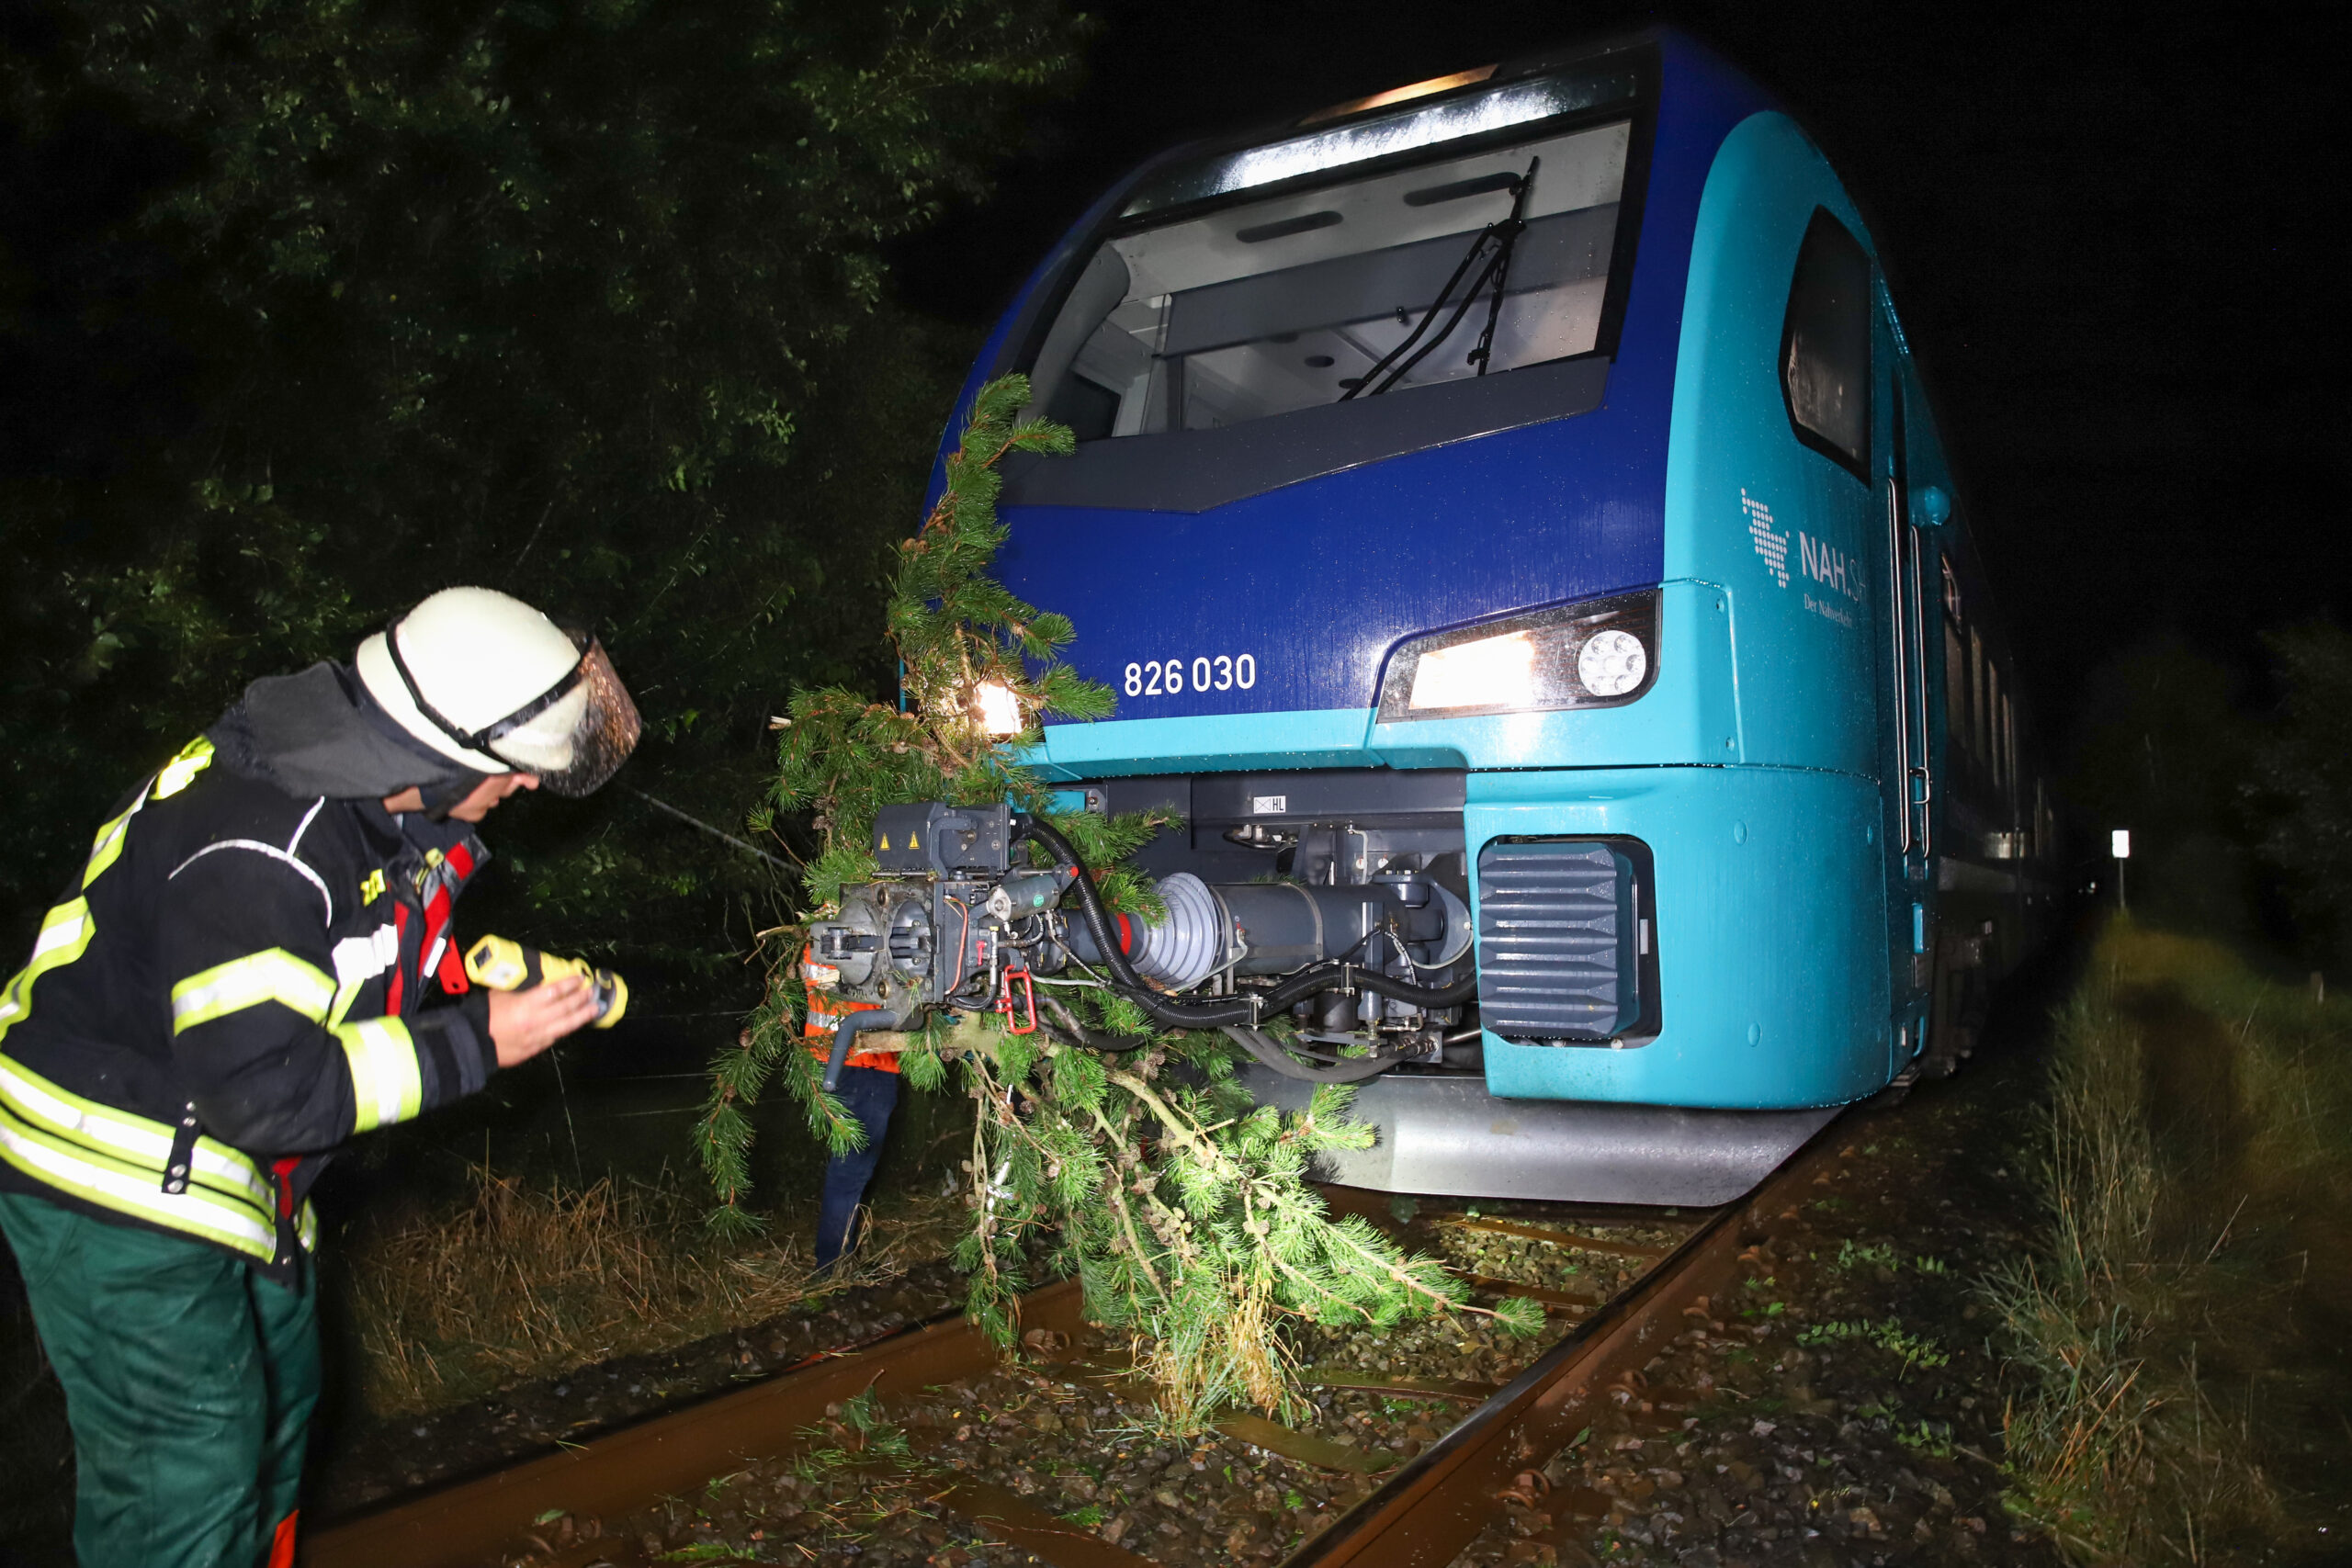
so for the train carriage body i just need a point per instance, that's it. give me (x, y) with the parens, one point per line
(1614, 588)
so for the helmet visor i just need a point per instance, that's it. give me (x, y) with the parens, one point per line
(582, 738)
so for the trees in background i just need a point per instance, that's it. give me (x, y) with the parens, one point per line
(2160, 748)
(581, 301)
(2302, 774)
(2240, 806)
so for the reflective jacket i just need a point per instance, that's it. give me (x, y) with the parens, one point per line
(825, 1013)
(233, 985)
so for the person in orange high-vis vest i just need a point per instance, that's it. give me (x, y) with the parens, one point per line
(870, 1088)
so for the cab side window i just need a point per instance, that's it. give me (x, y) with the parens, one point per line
(1825, 346)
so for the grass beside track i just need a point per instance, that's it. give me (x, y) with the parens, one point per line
(526, 1278)
(2178, 1337)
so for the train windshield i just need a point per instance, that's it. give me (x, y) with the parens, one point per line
(1361, 287)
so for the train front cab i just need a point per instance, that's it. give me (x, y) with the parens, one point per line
(1806, 831)
(1869, 856)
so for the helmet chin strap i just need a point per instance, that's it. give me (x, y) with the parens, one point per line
(444, 796)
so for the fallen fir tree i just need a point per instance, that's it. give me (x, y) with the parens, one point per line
(1150, 1173)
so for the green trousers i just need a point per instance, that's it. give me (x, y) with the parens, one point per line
(190, 1382)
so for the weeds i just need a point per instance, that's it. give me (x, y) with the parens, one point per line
(1889, 1335)
(1882, 1256)
(2195, 1108)
(523, 1280)
(854, 1432)
(1930, 1438)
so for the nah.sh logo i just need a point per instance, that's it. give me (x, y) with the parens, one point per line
(1827, 565)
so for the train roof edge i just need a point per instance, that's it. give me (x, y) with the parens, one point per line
(1681, 57)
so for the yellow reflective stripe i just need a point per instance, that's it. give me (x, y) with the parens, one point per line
(306, 1228)
(193, 757)
(385, 1082)
(273, 975)
(105, 845)
(127, 1190)
(65, 933)
(145, 1144)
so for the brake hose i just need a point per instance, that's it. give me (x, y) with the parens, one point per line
(1026, 828)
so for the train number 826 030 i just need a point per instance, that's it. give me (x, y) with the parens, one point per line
(1208, 672)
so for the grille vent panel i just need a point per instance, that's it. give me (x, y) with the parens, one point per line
(1556, 940)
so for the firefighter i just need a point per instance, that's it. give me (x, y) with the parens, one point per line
(254, 964)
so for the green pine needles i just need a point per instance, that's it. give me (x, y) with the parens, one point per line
(1151, 1174)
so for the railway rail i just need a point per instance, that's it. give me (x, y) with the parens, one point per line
(1661, 1273)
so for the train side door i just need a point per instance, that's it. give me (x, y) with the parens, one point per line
(1909, 777)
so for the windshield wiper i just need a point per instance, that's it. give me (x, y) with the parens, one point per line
(1503, 236)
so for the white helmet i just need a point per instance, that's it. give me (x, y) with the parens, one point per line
(494, 686)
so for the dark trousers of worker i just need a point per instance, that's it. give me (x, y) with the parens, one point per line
(190, 1382)
(871, 1095)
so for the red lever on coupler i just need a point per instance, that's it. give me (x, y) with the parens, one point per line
(1028, 996)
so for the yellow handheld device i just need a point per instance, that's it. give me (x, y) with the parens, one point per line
(505, 965)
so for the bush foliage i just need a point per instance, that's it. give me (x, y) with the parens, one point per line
(2303, 776)
(584, 302)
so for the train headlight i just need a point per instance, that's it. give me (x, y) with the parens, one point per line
(1476, 674)
(1612, 663)
(998, 709)
(1599, 653)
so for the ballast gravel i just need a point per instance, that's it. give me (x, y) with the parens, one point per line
(1841, 1404)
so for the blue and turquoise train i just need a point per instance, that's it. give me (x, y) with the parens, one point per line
(1509, 514)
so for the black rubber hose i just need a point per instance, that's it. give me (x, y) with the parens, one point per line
(1271, 1053)
(850, 1026)
(1113, 1045)
(1252, 1008)
(1157, 1007)
(1307, 982)
(1118, 1045)
(1090, 898)
(1194, 1015)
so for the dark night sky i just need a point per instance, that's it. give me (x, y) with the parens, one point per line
(2104, 226)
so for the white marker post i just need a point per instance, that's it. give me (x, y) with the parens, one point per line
(2119, 845)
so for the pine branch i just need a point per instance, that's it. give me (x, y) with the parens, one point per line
(1186, 1209)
